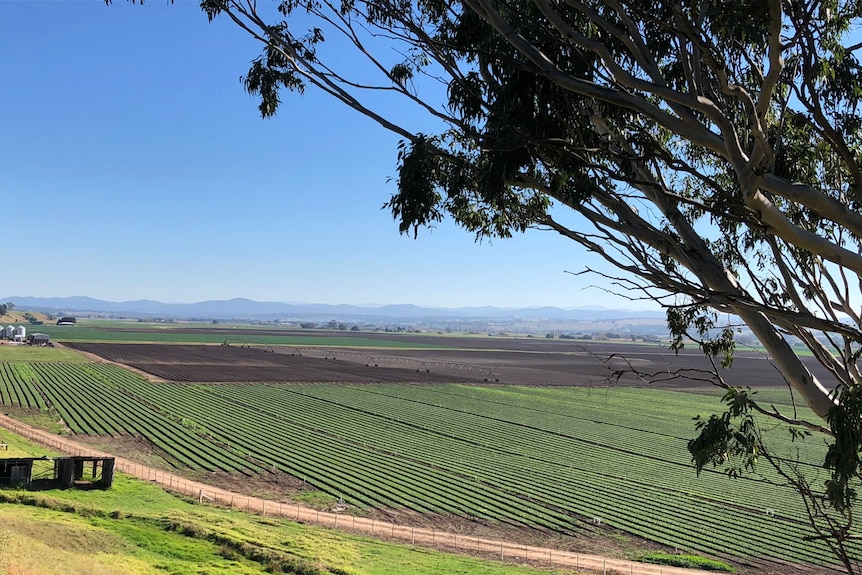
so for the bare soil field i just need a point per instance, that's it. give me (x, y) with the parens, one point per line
(235, 364)
(586, 364)
(519, 361)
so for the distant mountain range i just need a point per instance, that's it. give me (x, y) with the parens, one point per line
(241, 308)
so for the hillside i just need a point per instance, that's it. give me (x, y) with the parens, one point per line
(23, 317)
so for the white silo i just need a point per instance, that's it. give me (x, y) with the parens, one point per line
(20, 333)
(9, 332)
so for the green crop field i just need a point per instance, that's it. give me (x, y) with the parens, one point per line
(564, 460)
(174, 335)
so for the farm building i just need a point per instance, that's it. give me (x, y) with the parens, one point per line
(62, 472)
(67, 321)
(39, 339)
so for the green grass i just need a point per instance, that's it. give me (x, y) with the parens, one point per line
(39, 353)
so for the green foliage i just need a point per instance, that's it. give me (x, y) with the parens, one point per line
(686, 561)
(843, 456)
(731, 440)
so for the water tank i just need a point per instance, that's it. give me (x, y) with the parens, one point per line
(21, 332)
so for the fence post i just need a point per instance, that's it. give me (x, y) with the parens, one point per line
(501, 550)
(412, 537)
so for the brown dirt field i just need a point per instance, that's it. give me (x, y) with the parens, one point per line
(521, 362)
(235, 364)
(579, 364)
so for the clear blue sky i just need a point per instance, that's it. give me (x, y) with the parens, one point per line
(133, 165)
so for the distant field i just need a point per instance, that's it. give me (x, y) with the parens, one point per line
(204, 335)
(567, 460)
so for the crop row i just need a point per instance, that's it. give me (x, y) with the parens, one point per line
(558, 474)
(15, 386)
(90, 405)
(316, 434)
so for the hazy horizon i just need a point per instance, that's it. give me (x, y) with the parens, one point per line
(4, 299)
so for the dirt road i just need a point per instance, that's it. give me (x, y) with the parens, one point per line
(501, 550)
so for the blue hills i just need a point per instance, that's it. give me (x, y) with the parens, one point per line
(242, 308)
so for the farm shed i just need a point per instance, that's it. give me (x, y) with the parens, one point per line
(62, 472)
(67, 321)
(39, 339)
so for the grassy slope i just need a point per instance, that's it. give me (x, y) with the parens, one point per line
(9, 352)
(137, 528)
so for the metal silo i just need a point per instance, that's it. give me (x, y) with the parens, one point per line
(9, 332)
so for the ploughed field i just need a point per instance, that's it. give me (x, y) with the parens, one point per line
(220, 363)
(517, 361)
(575, 457)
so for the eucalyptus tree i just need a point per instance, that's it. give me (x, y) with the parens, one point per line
(708, 150)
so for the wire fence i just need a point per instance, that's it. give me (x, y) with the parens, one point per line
(417, 536)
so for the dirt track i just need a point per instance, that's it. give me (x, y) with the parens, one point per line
(495, 549)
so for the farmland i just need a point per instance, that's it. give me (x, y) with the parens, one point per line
(567, 460)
